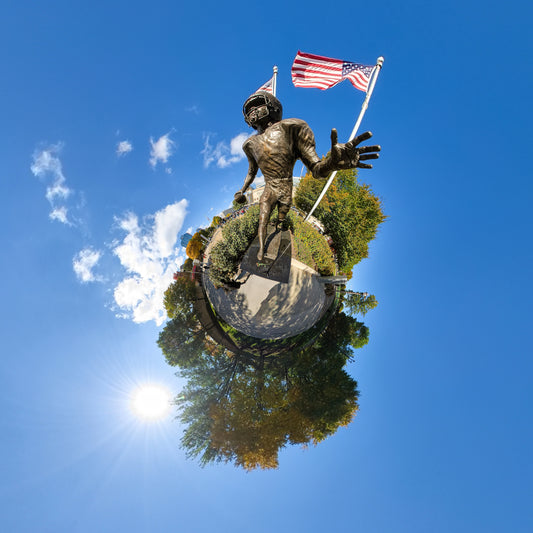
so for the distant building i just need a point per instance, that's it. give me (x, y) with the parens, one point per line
(253, 195)
(185, 238)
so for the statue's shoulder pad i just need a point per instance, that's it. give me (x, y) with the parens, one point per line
(294, 122)
(248, 142)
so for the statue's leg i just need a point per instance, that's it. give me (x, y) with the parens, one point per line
(265, 209)
(283, 210)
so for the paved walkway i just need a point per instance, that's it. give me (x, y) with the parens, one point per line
(268, 309)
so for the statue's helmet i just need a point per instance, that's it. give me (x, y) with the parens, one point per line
(262, 108)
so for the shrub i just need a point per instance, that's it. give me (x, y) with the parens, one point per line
(226, 255)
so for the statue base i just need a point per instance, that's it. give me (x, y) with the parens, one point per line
(276, 262)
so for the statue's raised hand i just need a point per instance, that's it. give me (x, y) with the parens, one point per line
(348, 155)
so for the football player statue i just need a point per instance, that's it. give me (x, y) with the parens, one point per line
(275, 149)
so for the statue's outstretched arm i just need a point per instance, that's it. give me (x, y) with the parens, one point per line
(343, 156)
(252, 173)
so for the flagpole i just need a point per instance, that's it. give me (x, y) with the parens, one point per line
(274, 80)
(374, 77)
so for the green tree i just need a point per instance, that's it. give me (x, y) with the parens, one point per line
(359, 303)
(343, 335)
(187, 266)
(245, 413)
(179, 296)
(350, 212)
(207, 383)
(216, 221)
(183, 339)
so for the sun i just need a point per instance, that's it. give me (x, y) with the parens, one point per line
(151, 402)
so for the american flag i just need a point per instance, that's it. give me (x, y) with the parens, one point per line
(309, 70)
(267, 86)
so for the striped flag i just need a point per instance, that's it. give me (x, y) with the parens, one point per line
(268, 86)
(309, 70)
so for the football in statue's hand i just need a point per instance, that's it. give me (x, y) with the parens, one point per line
(240, 198)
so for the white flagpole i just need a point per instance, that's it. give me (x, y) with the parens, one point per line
(274, 80)
(364, 107)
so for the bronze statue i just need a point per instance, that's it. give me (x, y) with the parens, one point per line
(275, 149)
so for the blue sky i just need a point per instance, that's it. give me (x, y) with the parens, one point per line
(443, 438)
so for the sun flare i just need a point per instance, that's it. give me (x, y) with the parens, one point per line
(151, 402)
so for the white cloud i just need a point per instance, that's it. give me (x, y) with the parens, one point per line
(60, 214)
(57, 190)
(84, 263)
(123, 147)
(46, 161)
(161, 149)
(259, 181)
(236, 144)
(150, 256)
(47, 167)
(222, 154)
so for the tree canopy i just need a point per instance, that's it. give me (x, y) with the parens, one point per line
(194, 246)
(350, 212)
(359, 303)
(246, 409)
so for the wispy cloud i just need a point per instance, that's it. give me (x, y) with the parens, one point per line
(47, 166)
(223, 154)
(83, 264)
(149, 255)
(60, 214)
(161, 149)
(124, 147)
